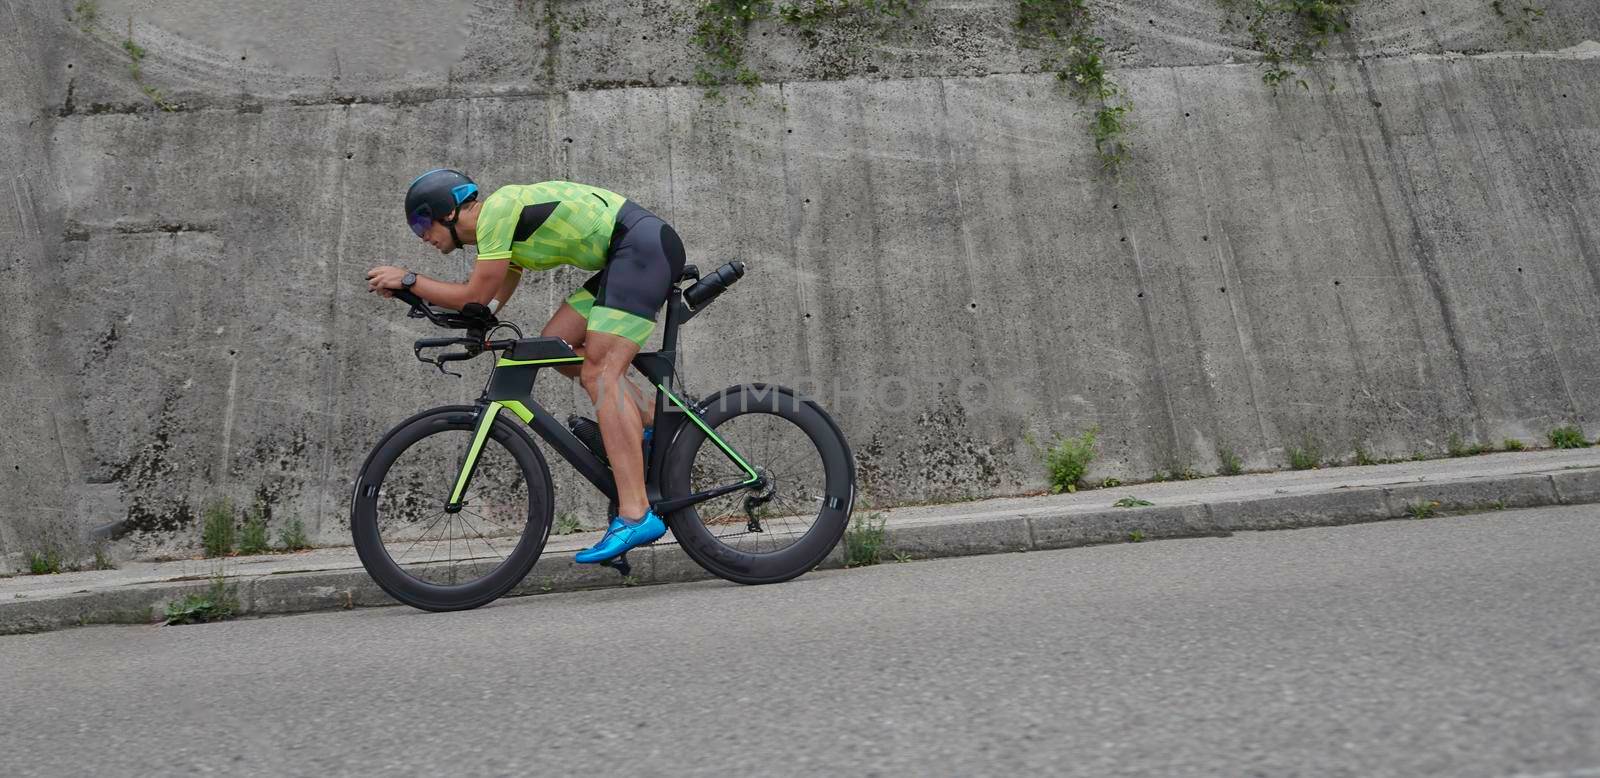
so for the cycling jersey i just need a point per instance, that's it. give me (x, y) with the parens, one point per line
(637, 256)
(646, 257)
(540, 226)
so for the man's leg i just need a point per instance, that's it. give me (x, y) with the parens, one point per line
(571, 325)
(637, 276)
(604, 377)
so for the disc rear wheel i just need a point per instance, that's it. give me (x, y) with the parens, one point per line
(801, 485)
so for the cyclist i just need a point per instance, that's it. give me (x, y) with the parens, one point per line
(635, 257)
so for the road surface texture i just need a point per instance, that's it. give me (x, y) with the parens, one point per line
(1464, 646)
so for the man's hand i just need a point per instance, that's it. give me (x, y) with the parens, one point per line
(384, 279)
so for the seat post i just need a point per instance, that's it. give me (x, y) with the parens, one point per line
(669, 335)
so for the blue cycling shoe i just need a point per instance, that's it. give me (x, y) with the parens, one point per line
(622, 536)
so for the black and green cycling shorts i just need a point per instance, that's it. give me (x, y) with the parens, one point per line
(645, 258)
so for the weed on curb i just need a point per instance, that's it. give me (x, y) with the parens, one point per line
(1512, 444)
(1568, 436)
(1456, 448)
(1423, 510)
(47, 562)
(1230, 464)
(1307, 457)
(566, 524)
(863, 541)
(253, 535)
(1131, 502)
(1136, 536)
(1065, 460)
(217, 530)
(55, 557)
(218, 603)
(293, 536)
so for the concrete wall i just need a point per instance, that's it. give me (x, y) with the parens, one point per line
(41, 447)
(1403, 252)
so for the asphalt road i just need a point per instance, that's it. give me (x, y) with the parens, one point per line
(1453, 646)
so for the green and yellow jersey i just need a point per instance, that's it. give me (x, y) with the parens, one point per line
(540, 226)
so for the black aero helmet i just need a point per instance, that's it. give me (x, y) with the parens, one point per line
(434, 195)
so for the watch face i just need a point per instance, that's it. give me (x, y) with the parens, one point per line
(410, 278)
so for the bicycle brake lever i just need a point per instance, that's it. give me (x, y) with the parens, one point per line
(435, 362)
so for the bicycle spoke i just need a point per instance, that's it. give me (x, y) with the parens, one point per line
(468, 530)
(433, 549)
(450, 548)
(488, 521)
(480, 535)
(418, 538)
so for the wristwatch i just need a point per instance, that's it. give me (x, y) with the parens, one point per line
(405, 283)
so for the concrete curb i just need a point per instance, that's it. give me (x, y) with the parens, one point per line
(1036, 529)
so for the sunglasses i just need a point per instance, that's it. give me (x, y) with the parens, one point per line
(420, 221)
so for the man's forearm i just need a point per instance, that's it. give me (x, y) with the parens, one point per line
(508, 286)
(447, 295)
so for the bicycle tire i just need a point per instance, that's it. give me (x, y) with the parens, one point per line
(366, 522)
(702, 544)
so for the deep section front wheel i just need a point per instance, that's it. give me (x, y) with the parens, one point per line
(802, 484)
(435, 559)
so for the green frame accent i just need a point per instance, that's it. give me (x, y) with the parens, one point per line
(485, 422)
(518, 362)
(519, 409)
(726, 449)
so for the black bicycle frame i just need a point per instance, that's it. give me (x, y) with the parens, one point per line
(511, 387)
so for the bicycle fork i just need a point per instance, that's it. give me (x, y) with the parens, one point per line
(469, 465)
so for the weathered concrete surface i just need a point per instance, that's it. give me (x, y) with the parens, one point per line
(226, 52)
(933, 250)
(332, 578)
(41, 445)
